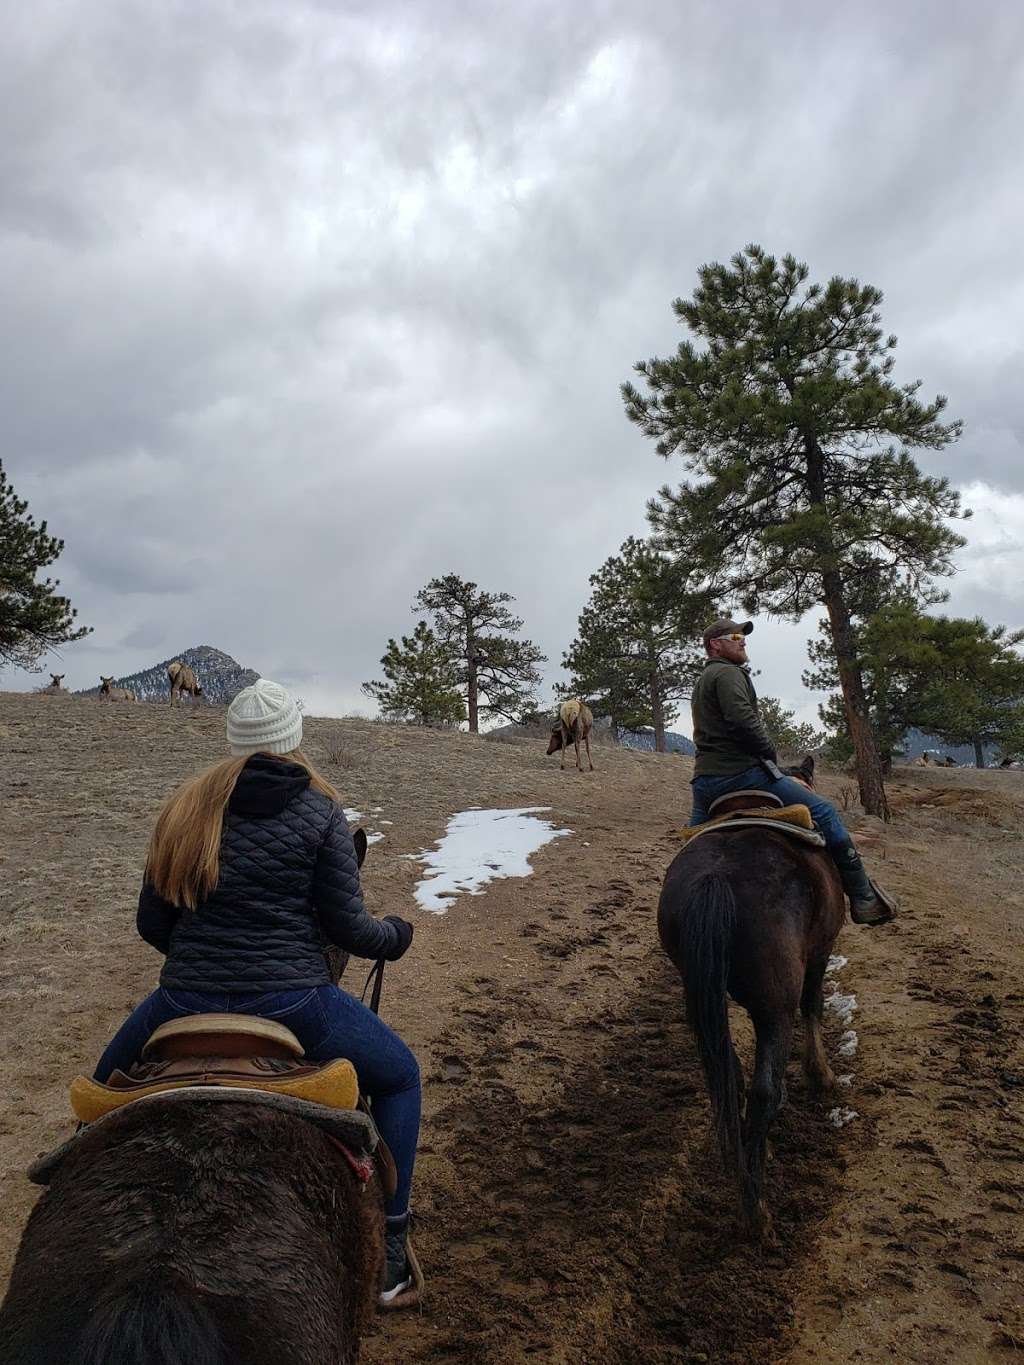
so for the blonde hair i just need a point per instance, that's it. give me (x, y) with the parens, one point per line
(183, 859)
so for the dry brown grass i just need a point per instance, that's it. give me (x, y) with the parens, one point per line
(565, 1121)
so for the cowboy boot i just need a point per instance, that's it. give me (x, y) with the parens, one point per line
(868, 903)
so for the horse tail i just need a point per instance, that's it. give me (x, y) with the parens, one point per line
(152, 1323)
(705, 942)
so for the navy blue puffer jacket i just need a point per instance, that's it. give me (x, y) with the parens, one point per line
(289, 882)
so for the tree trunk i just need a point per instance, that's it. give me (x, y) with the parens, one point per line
(979, 753)
(869, 763)
(865, 746)
(471, 698)
(657, 715)
(881, 686)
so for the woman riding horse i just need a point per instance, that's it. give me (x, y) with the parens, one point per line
(251, 871)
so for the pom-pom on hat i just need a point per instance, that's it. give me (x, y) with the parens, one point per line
(263, 718)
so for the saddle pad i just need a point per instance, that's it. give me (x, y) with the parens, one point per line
(793, 820)
(353, 1127)
(335, 1086)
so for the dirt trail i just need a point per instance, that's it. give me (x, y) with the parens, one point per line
(569, 1207)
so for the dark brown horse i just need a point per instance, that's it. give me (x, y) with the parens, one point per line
(752, 914)
(181, 1233)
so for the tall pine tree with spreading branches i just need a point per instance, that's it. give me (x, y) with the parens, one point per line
(637, 650)
(34, 617)
(784, 409)
(499, 673)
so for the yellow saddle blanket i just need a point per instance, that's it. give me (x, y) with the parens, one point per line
(795, 819)
(334, 1085)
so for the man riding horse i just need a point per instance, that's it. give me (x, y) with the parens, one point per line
(734, 753)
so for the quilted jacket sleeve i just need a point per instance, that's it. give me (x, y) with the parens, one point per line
(339, 901)
(156, 918)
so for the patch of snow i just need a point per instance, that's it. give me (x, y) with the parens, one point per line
(375, 837)
(839, 1117)
(846, 1080)
(478, 846)
(352, 815)
(387, 822)
(842, 1006)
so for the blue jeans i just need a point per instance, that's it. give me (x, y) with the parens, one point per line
(328, 1022)
(823, 813)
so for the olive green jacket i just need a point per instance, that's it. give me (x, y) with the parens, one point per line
(727, 730)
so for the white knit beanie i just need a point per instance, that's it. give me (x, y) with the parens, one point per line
(264, 718)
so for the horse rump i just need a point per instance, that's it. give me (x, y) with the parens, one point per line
(152, 1322)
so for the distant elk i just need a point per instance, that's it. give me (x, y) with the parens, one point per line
(54, 685)
(575, 722)
(114, 693)
(183, 678)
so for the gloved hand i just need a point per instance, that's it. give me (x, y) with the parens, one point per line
(405, 931)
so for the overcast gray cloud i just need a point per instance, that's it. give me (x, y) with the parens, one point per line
(305, 303)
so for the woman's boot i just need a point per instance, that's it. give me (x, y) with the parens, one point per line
(403, 1279)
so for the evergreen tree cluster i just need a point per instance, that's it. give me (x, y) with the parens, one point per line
(469, 664)
(637, 650)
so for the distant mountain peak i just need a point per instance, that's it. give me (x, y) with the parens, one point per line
(220, 676)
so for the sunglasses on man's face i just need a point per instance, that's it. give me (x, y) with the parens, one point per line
(736, 635)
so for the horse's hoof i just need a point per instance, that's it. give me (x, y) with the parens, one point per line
(821, 1082)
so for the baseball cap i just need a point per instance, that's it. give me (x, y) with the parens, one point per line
(723, 626)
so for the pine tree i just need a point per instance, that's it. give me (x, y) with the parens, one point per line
(637, 650)
(953, 677)
(785, 410)
(422, 681)
(478, 627)
(34, 618)
(788, 735)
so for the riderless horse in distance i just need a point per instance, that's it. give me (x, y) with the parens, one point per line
(575, 722)
(182, 678)
(114, 693)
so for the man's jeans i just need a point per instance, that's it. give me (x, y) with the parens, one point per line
(823, 813)
(328, 1022)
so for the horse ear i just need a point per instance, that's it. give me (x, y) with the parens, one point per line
(807, 765)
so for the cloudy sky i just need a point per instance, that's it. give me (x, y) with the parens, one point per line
(305, 303)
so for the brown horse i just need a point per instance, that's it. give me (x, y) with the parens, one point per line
(752, 914)
(183, 1233)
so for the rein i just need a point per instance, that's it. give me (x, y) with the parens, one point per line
(376, 975)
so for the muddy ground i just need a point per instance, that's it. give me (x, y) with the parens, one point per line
(568, 1205)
